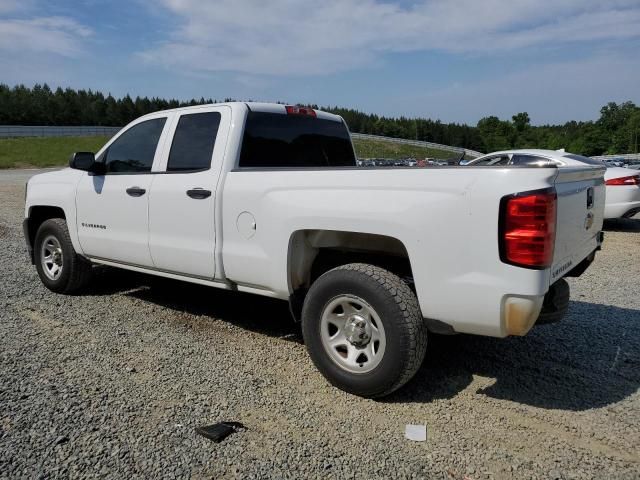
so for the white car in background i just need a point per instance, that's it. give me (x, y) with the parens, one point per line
(622, 184)
(623, 193)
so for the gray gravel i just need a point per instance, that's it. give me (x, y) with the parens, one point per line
(113, 383)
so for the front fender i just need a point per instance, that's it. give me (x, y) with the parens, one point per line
(58, 190)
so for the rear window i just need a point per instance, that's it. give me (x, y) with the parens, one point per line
(587, 160)
(297, 141)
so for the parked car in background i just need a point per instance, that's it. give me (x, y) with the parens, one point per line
(622, 185)
(614, 163)
(532, 157)
(623, 193)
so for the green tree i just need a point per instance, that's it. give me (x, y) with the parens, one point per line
(617, 130)
(521, 121)
(496, 134)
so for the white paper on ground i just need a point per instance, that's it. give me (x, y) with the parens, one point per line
(417, 433)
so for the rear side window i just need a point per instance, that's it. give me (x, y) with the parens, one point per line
(193, 142)
(298, 141)
(133, 151)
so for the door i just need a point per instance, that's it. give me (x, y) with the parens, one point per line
(182, 232)
(112, 209)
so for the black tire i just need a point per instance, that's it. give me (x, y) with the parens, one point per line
(76, 270)
(556, 303)
(397, 308)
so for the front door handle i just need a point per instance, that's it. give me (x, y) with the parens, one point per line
(136, 191)
(199, 193)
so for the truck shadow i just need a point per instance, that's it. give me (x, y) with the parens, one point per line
(201, 304)
(589, 360)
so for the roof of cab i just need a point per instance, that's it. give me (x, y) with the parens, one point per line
(252, 106)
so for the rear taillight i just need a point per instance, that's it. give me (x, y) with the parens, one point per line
(293, 110)
(630, 180)
(527, 230)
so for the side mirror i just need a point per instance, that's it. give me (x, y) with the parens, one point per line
(82, 161)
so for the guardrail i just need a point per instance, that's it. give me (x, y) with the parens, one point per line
(417, 143)
(55, 131)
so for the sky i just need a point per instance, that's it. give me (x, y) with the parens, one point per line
(453, 60)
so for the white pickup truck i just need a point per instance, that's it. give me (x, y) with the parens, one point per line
(267, 199)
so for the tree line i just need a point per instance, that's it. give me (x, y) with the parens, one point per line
(616, 131)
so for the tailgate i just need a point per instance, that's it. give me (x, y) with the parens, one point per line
(581, 196)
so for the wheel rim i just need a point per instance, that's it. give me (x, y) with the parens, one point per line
(51, 257)
(352, 334)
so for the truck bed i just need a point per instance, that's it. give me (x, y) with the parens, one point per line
(446, 218)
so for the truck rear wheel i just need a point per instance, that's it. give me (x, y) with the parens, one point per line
(60, 268)
(363, 329)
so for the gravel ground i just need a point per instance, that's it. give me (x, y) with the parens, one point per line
(112, 384)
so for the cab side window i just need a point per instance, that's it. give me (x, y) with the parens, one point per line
(193, 142)
(133, 151)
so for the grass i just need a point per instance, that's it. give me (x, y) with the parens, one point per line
(40, 152)
(55, 151)
(382, 149)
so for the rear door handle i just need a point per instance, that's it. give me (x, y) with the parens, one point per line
(199, 193)
(136, 191)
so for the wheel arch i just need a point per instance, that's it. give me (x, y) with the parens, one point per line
(312, 252)
(38, 214)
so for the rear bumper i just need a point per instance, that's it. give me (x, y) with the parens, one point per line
(520, 313)
(502, 300)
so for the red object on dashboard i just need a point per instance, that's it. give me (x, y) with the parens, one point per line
(528, 228)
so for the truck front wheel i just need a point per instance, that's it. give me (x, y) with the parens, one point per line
(60, 268)
(363, 329)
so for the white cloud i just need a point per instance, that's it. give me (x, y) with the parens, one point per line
(53, 35)
(550, 93)
(36, 48)
(300, 37)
